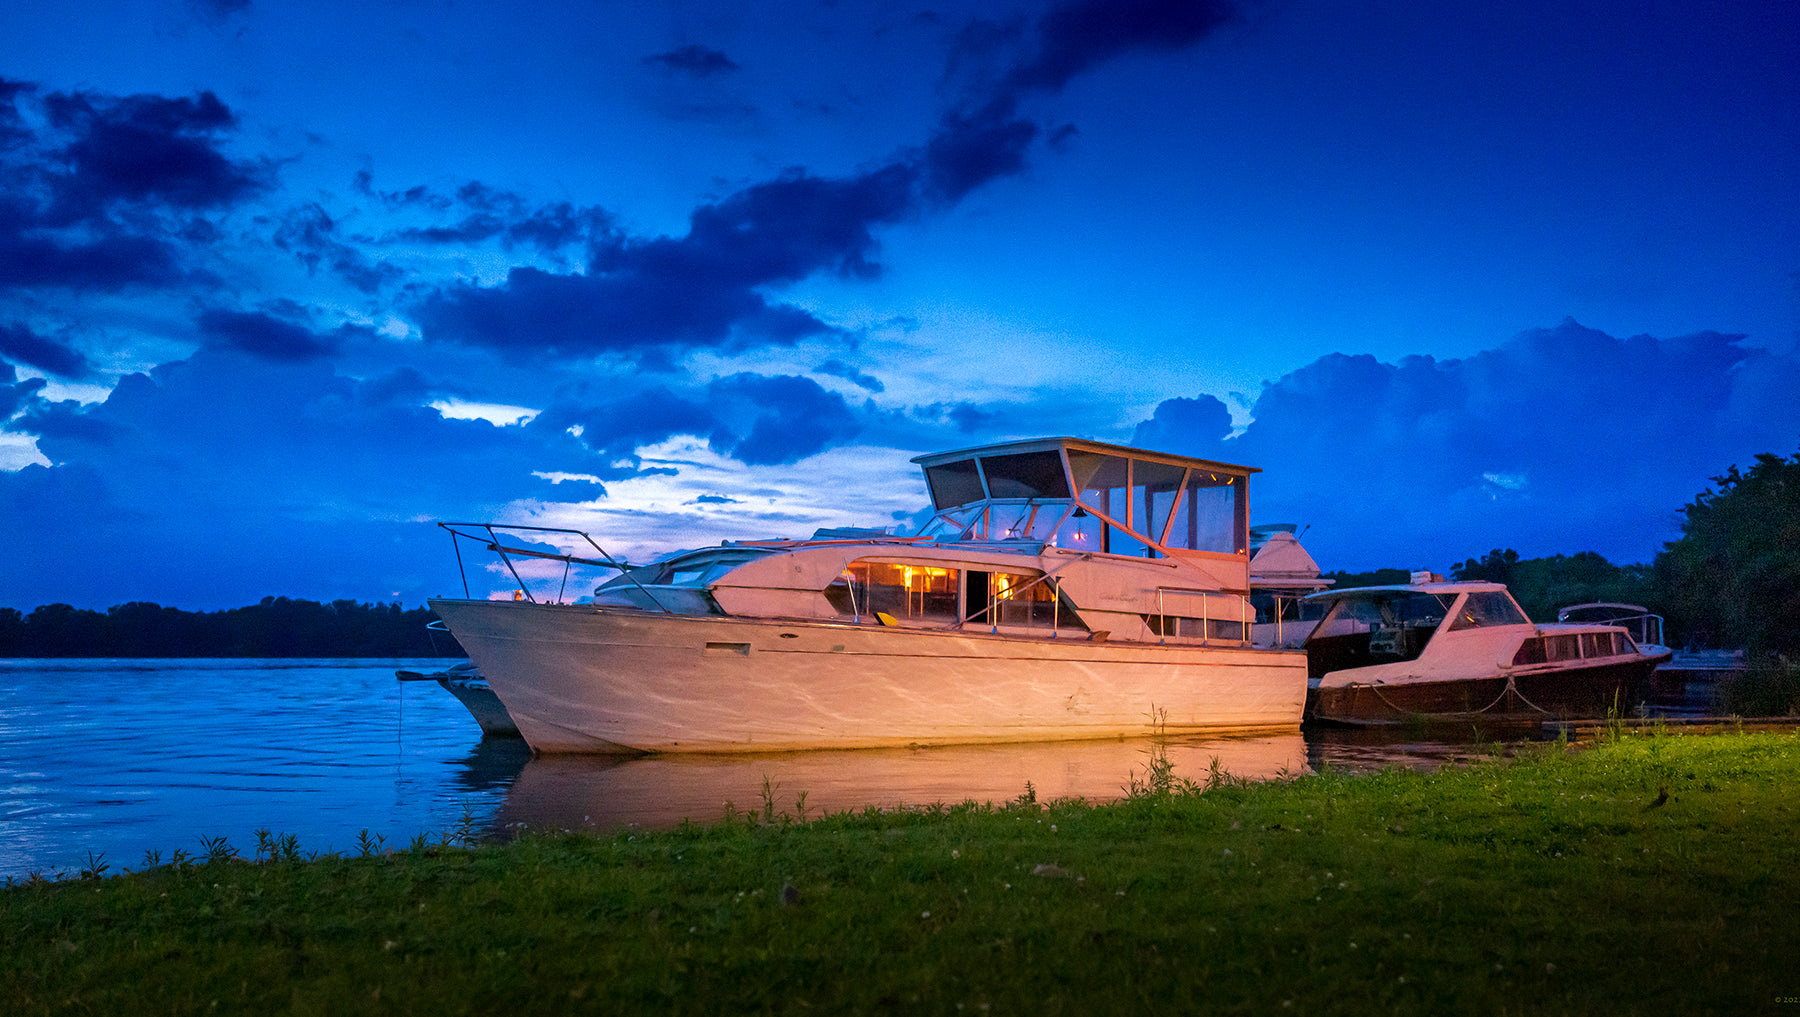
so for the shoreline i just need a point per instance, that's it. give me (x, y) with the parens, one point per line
(1644, 872)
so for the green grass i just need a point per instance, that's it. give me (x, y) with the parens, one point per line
(1552, 883)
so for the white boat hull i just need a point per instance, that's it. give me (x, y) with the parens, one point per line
(576, 678)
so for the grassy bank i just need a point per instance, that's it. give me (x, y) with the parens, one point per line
(1650, 874)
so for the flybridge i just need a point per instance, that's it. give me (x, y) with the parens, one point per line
(1090, 496)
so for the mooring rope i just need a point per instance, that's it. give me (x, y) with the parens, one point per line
(1511, 687)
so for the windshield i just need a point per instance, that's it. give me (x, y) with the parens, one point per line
(1365, 612)
(689, 568)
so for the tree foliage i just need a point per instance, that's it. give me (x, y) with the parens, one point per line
(276, 627)
(1543, 586)
(1733, 577)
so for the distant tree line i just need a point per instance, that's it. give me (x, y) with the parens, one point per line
(1730, 581)
(276, 627)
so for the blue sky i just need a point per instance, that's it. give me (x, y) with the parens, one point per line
(281, 283)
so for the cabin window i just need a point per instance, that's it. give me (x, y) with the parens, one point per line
(1219, 629)
(1598, 644)
(912, 592)
(1025, 475)
(1105, 484)
(1155, 488)
(1491, 608)
(1272, 606)
(1081, 531)
(1009, 598)
(1560, 648)
(1530, 652)
(1046, 521)
(953, 484)
(1207, 516)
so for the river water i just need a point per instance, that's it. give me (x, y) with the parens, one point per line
(107, 762)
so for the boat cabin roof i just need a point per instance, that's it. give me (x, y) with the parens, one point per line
(1063, 444)
(1447, 589)
(1089, 496)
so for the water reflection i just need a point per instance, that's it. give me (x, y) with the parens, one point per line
(1367, 749)
(576, 792)
(118, 759)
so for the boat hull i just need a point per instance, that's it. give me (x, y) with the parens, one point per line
(576, 678)
(1576, 693)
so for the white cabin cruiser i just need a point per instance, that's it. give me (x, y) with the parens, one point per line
(1464, 650)
(1064, 589)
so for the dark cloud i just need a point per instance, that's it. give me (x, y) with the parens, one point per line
(640, 299)
(15, 395)
(1077, 36)
(104, 192)
(697, 60)
(310, 234)
(20, 345)
(715, 499)
(1558, 441)
(264, 336)
(29, 261)
(971, 149)
(839, 369)
(493, 214)
(145, 149)
(12, 129)
(970, 418)
(773, 420)
(649, 299)
(644, 415)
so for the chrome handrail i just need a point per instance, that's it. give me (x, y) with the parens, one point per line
(492, 542)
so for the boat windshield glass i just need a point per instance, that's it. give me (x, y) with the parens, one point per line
(954, 484)
(1007, 522)
(695, 569)
(1495, 607)
(1025, 475)
(1411, 608)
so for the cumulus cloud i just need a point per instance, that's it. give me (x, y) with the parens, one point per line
(20, 345)
(278, 474)
(768, 421)
(1561, 440)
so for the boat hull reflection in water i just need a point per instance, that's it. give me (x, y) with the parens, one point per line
(604, 793)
